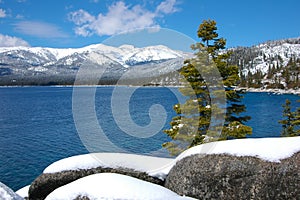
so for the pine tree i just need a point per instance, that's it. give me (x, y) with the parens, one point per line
(290, 121)
(296, 121)
(195, 125)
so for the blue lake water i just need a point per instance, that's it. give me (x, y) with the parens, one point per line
(37, 126)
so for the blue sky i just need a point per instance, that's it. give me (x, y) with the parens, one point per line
(77, 23)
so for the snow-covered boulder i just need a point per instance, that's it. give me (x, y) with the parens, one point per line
(67, 170)
(113, 186)
(8, 194)
(46, 183)
(267, 168)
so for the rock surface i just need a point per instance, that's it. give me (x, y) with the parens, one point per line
(231, 177)
(46, 183)
(8, 194)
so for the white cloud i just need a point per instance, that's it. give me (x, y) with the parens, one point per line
(119, 18)
(19, 16)
(167, 7)
(39, 29)
(81, 17)
(9, 41)
(2, 13)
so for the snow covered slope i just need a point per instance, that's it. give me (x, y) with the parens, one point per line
(270, 65)
(263, 57)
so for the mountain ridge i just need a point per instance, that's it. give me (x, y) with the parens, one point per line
(24, 65)
(272, 64)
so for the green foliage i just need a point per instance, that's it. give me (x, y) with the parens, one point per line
(296, 122)
(194, 123)
(291, 120)
(207, 31)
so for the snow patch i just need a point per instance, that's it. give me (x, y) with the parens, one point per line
(86, 161)
(112, 186)
(23, 192)
(4, 195)
(154, 166)
(268, 149)
(38, 69)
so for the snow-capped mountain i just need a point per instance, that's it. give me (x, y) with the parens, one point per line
(275, 63)
(23, 65)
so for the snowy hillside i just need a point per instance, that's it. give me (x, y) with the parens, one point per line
(274, 62)
(264, 56)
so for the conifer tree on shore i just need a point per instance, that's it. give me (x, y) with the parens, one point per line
(194, 126)
(291, 120)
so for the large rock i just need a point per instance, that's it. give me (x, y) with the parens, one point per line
(48, 182)
(8, 194)
(231, 177)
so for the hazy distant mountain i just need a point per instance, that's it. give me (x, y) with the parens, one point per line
(36, 65)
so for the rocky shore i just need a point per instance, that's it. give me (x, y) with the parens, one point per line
(267, 168)
(271, 91)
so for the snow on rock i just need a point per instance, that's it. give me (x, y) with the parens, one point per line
(154, 166)
(269, 149)
(7, 194)
(112, 186)
(23, 192)
(4, 194)
(86, 161)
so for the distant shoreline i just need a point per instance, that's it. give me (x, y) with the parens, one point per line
(273, 91)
